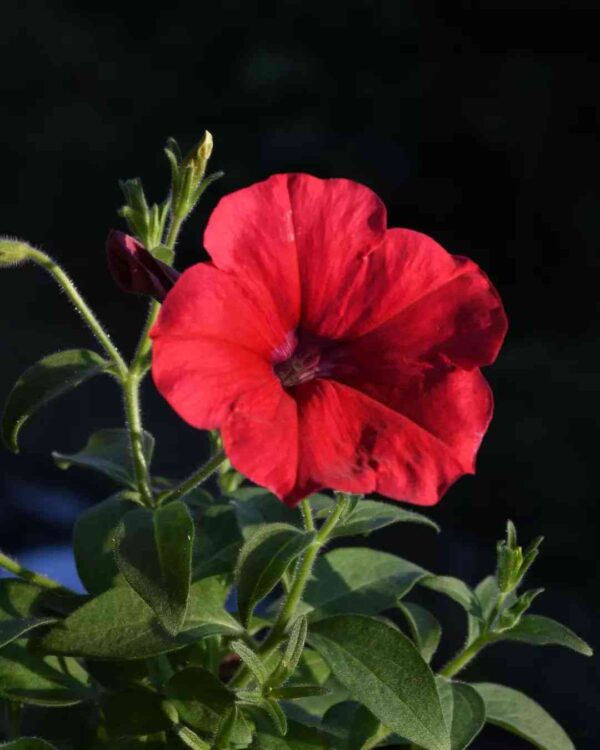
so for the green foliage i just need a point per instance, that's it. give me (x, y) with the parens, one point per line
(426, 631)
(370, 515)
(20, 610)
(119, 625)
(153, 550)
(93, 542)
(358, 580)
(107, 452)
(46, 380)
(28, 743)
(352, 725)
(263, 560)
(392, 681)
(543, 631)
(134, 712)
(515, 712)
(464, 712)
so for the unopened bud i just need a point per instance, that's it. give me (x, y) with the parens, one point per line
(135, 270)
(13, 252)
(199, 156)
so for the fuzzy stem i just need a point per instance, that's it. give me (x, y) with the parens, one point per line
(48, 264)
(195, 479)
(12, 566)
(131, 394)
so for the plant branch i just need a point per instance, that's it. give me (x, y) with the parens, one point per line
(131, 394)
(12, 566)
(195, 479)
(48, 264)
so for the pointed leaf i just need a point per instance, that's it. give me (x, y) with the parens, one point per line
(93, 542)
(252, 661)
(464, 711)
(358, 580)
(543, 631)
(371, 515)
(46, 380)
(29, 677)
(519, 714)
(200, 698)
(425, 629)
(351, 724)
(455, 589)
(276, 715)
(153, 550)
(119, 625)
(218, 540)
(295, 692)
(11, 630)
(20, 610)
(263, 560)
(107, 452)
(392, 680)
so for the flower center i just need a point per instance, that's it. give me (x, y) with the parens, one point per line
(300, 359)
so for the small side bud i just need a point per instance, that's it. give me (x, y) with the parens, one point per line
(199, 156)
(512, 616)
(135, 270)
(13, 252)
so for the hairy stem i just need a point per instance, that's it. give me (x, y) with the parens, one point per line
(195, 479)
(464, 657)
(294, 595)
(46, 262)
(131, 394)
(12, 566)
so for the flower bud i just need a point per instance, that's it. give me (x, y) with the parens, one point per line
(13, 252)
(135, 270)
(198, 157)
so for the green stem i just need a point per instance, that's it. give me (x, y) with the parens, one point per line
(198, 477)
(13, 720)
(131, 393)
(294, 596)
(307, 515)
(17, 569)
(82, 308)
(464, 657)
(174, 228)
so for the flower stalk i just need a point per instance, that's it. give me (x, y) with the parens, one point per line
(195, 479)
(12, 566)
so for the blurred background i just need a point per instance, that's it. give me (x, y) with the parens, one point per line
(476, 122)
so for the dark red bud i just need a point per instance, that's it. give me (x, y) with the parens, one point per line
(135, 270)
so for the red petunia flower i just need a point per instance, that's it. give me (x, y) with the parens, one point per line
(330, 350)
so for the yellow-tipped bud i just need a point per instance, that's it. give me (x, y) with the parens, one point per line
(199, 156)
(13, 252)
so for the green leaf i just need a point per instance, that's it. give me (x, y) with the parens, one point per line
(20, 610)
(519, 714)
(371, 515)
(93, 542)
(252, 661)
(392, 680)
(218, 540)
(153, 549)
(295, 692)
(255, 507)
(108, 452)
(190, 739)
(200, 698)
(292, 654)
(119, 625)
(29, 677)
(543, 631)
(455, 589)
(357, 580)
(276, 715)
(464, 711)
(425, 629)
(487, 593)
(298, 737)
(353, 725)
(133, 713)
(263, 560)
(43, 382)
(28, 743)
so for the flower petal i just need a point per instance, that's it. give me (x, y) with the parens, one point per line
(203, 378)
(351, 442)
(298, 236)
(209, 303)
(260, 437)
(251, 233)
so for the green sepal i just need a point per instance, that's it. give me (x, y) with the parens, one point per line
(276, 715)
(251, 660)
(291, 656)
(263, 560)
(108, 452)
(392, 681)
(153, 550)
(13, 252)
(517, 713)
(48, 379)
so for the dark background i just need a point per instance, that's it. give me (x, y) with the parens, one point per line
(476, 122)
